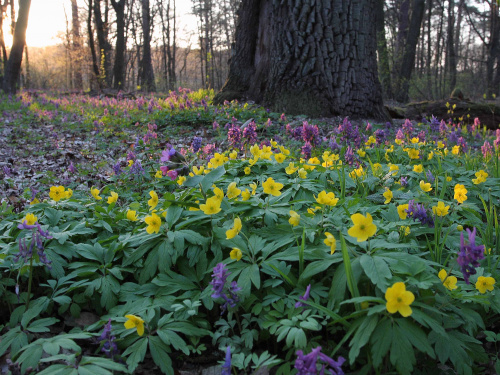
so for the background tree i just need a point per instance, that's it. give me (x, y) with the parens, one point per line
(146, 70)
(308, 57)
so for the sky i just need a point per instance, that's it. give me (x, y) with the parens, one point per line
(47, 21)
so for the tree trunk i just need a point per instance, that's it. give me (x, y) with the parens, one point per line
(450, 46)
(147, 74)
(13, 67)
(95, 67)
(384, 69)
(78, 80)
(104, 46)
(2, 43)
(307, 57)
(119, 64)
(408, 59)
(493, 50)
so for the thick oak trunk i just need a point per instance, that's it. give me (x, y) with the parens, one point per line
(307, 57)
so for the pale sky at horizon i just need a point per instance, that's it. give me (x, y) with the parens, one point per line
(47, 21)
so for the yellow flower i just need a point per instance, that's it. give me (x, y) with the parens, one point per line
(449, 282)
(254, 187)
(402, 211)
(247, 170)
(327, 198)
(57, 192)
(331, 242)
(430, 156)
(361, 152)
(246, 195)
(30, 219)
(363, 227)
(314, 161)
(480, 177)
(357, 173)
(399, 299)
(159, 174)
(217, 160)
(440, 210)
(280, 158)
(153, 202)
(387, 195)
(232, 190)
(233, 155)
(113, 198)
(271, 187)
(425, 186)
(455, 150)
(460, 193)
(68, 193)
(414, 140)
(235, 230)
(313, 210)
(236, 254)
(418, 168)
(211, 206)
(135, 322)
(255, 150)
(302, 173)
(294, 218)
(405, 230)
(412, 153)
(34, 201)
(130, 163)
(393, 168)
(218, 193)
(485, 283)
(448, 178)
(95, 193)
(131, 215)
(181, 180)
(440, 144)
(284, 150)
(291, 169)
(198, 171)
(153, 222)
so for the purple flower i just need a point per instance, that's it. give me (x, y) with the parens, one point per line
(196, 144)
(282, 117)
(7, 171)
(172, 174)
(434, 125)
(430, 176)
(234, 136)
(400, 135)
(215, 125)
(107, 340)
(333, 145)
(310, 133)
(307, 364)
(116, 168)
(306, 150)
(227, 293)
(137, 168)
(469, 255)
(226, 367)
(250, 133)
(167, 154)
(304, 298)
(368, 127)
(71, 168)
(421, 136)
(418, 211)
(487, 150)
(408, 128)
(404, 181)
(349, 156)
(380, 136)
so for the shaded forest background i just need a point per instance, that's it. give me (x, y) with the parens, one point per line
(426, 48)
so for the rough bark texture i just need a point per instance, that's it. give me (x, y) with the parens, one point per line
(13, 67)
(384, 69)
(102, 39)
(119, 65)
(77, 74)
(307, 57)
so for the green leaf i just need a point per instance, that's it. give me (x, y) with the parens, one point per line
(41, 325)
(377, 270)
(381, 341)
(159, 352)
(136, 353)
(210, 178)
(255, 275)
(402, 355)
(173, 214)
(362, 335)
(416, 336)
(53, 216)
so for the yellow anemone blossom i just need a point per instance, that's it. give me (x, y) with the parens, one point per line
(159, 174)
(280, 158)
(327, 198)
(246, 195)
(387, 195)
(361, 152)
(217, 160)
(460, 193)
(153, 222)
(218, 193)
(455, 150)
(68, 193)
(405, 230)
(393, 168)
(272, 187)
(449, 282)
(419, 168)
(233, 155)
(235, 230)
(95, 193)
(211, 206)
(302, 173)
(399, 299)
(57, 192)
(131, 215)
(181, 180)
(113, 198)
(236, 254)
(254, 187)
(485, 283)
(425, 186)
(135, 322)
(412, 153)
(331, 242)
(153, 202)
(30, 219)
(440, 210)
(34, 201)
(363, 227)
(402, 211)
(294, 218)
(247, 170)
(291, 169)
(232, 190)
(480, 177)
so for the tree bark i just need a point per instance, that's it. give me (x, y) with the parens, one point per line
(119, 64)
(408, 59)
(493, 50)
(384, 69)
(95, 67)
(450, 46)
(13, 67)
(307, 57)
(147, 74)
(104, 46)
(77, 74)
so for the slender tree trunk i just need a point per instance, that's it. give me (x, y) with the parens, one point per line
(172, 75)
(102, 40)
(450, 46)
(27, 67)
(2, 43)
(307, 57)
(147, 76)
(13, 67)
(429, 49)
(95, 66)
(77, 73)
(119, 64)
(384, 69)
(493, 49)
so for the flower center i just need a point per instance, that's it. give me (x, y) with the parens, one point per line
(399, 299)
(362, 227)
